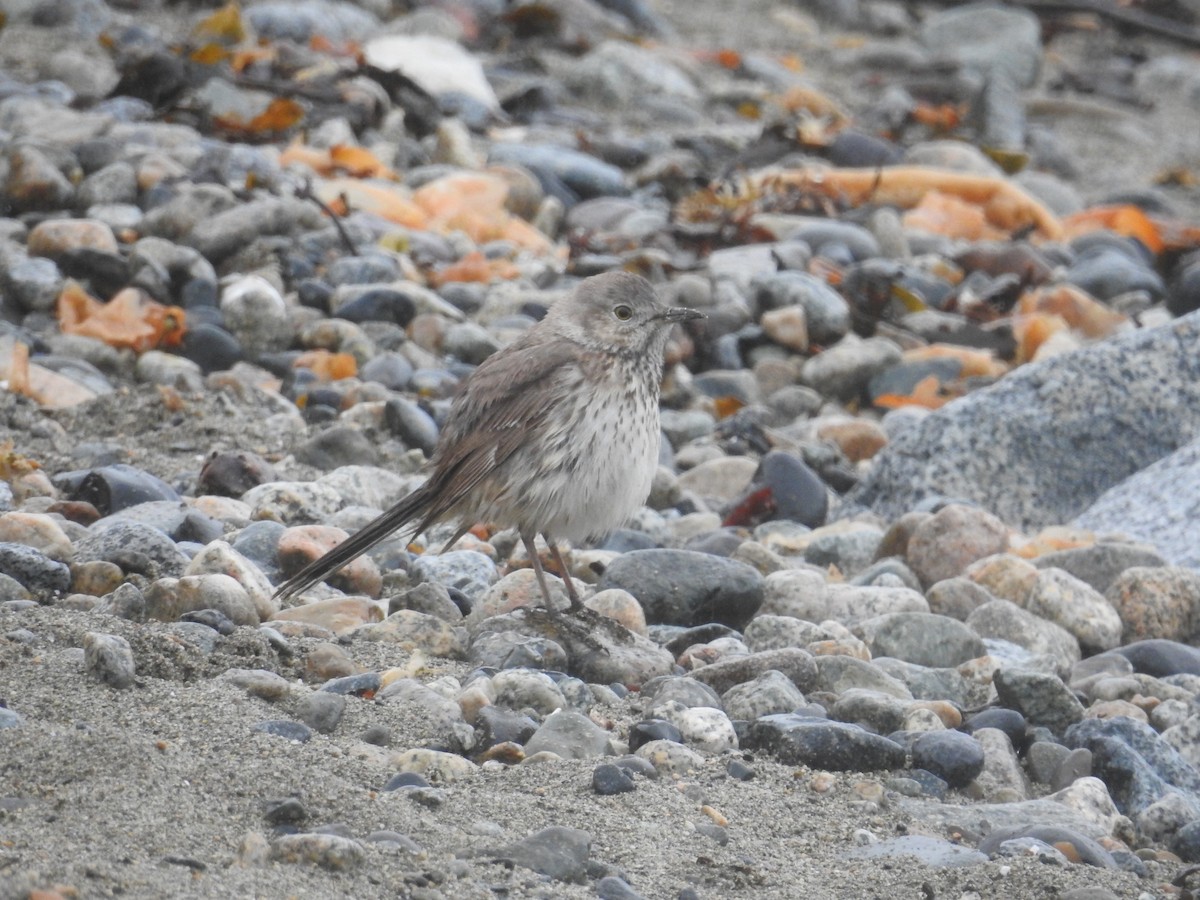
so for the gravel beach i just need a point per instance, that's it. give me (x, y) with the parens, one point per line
(913, 606)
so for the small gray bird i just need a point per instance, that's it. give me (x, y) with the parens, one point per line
(557, 434)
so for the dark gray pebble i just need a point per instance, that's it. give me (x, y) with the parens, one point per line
(609, 779)
(210, 347)
(413, 425)
(1162, 658)
(1090, 852)
(337, 446)
(822, 744)
(955, 757)
(115, 487)
(498, 724)
(1011, 722)
(653, 730)
(288, 811)
(405, 780)
(231, 473)
(36, 572)
(378, 304)
(681, 587)
(367, 683)
(213, 618)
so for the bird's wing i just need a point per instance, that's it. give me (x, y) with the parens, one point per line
(505, 401)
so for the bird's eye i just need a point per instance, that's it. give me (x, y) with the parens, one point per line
(623, 312)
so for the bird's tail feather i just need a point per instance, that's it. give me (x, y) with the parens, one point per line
(414, 505)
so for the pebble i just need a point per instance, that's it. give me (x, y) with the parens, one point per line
(682, 587)
(569, 735)
(954, 757)
(924, 639)
(329, 851)
(109, 658)
(819, 744)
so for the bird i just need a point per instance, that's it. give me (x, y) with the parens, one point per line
(555, 434)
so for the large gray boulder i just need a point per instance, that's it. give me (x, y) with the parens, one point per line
(1040, 446)
(1159, 505)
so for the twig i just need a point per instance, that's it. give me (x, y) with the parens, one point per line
(305, 193)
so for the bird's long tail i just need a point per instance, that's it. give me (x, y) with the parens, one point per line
(416, 504)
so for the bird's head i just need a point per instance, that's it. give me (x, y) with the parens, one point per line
(617, 312)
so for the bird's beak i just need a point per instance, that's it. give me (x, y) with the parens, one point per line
(680, 314)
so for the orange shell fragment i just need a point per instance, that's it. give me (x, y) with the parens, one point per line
(1126, 220)
(130, 319)
(1005, 205)
(477, 268)
(327, 366)
(946, 214)
(975, 363)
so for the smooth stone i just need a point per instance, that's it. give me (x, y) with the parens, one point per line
(957, 597)
(1086, 849)
(33, 570)
(1009, 721)
(1003, 620)
(956, 536)
(497, 725)
(687, 588)
(1100, 564)
(516, 650)
(838, 674)
(826, 312)
(570, 735)
(322, 711)
(954, 757)
(1041, 699)
(558, 852)
(1156, 603)
(608, 779)
(924, 639)
(435, 765)
(1001, 779)
(410, 630)
(798, 666)
(651, 730)
(1060, 597)
(1162, 658)
(528, 689)
(293, 502)
(843, 371)
(109, 658)
(329, 851)
(825, 745)
(771, 692)
(703, 727)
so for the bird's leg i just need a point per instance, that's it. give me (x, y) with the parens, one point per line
(527, 540)
(576, 605)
